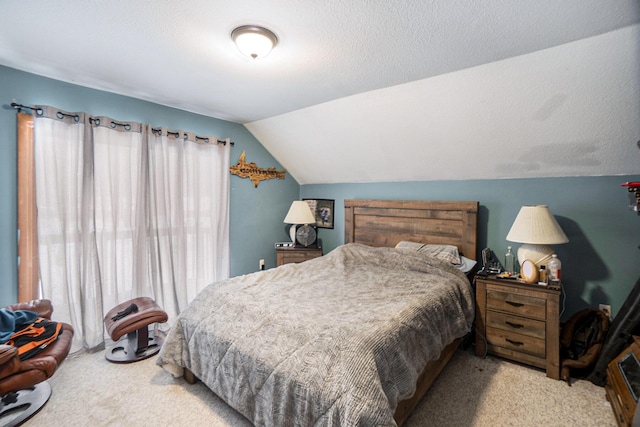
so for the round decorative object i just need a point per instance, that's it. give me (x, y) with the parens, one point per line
(539, 254)
(306, 235)
(529, 271)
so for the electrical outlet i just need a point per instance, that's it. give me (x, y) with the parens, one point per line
(261, 264)
(606, 308)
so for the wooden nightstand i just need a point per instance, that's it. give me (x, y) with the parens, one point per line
(520, 322)
(289, 255)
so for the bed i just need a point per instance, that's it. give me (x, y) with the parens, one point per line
(355, 337)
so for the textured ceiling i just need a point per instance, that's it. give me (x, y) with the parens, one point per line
(368, 91)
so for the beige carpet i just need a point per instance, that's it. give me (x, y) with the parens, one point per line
(89, 391)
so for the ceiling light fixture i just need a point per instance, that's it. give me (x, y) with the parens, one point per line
(254, 41)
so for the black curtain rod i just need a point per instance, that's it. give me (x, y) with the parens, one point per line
(198, 138)
(20, 107)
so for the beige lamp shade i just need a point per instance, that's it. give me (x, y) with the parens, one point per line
(299, 213)
(536, 228)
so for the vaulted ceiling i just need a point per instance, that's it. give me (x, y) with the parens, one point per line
(366, 91)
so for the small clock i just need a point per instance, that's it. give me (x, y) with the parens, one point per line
(306, 236)
(529, 271)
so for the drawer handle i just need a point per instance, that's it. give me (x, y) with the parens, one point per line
(513, 325)
(515, 304)
(518, 343)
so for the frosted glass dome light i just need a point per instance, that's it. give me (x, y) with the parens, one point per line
(254, 41)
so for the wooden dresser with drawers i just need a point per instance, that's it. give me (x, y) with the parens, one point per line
(519, 321)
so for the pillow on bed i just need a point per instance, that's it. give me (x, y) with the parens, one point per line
(443, 252)
(466, 264)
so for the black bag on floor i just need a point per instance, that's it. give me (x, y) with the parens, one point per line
(581, 341)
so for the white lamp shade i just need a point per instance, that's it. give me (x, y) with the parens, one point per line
(300, 213)
(536, 227)
(253, 41)
(536, 224)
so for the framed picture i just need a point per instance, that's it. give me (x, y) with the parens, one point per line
(323, 210)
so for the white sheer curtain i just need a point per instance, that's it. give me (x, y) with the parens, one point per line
(126, 211)
(66, 249)
(189, 215)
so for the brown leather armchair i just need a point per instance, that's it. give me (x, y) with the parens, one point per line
(23, 385)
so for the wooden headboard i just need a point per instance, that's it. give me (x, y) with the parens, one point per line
(387, 222)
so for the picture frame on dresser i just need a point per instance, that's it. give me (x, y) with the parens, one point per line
(323, 210)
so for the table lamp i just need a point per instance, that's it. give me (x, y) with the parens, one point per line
(536, 228)
(299, 213)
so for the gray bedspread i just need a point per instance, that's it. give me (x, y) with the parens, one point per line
(336, 340)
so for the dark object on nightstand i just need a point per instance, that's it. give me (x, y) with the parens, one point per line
(490, 263)
(306, 235)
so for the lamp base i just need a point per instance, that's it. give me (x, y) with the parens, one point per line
(538, 254)
(292, 233)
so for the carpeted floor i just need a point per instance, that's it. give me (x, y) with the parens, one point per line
(89, 391)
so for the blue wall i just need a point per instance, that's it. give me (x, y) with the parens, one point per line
(256, 214)
(601, 262)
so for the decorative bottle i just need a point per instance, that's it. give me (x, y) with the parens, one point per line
(555, 269)
(509, 261)
(543, 275)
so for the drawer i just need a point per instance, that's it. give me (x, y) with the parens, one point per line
(516, 342)
(520, 325)
(295, 256)
(521, 305)
(301, 256)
